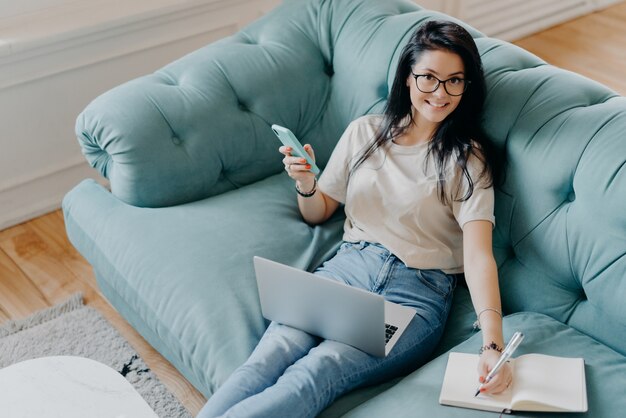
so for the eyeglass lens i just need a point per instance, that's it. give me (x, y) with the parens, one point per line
(428, 84)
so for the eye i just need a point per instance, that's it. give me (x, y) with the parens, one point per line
(428, 77)
(455, 81)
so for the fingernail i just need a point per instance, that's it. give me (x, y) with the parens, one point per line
(482, 390)
(308, 166)
(481, 379)
(302, 160)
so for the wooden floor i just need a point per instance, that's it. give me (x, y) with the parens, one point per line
(593, 45)
(39, 267)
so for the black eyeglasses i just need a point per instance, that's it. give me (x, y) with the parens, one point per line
(428, 83)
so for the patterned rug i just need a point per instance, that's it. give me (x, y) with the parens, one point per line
(73, 329)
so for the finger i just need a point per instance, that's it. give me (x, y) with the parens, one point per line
(290, 160)
(309, 149)
(296, 160)
(489, 388)
(299, 171)
(499, 383)
(285, 150)
(300, 167)
(483, 371)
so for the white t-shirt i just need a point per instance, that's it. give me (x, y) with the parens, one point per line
(392, 201)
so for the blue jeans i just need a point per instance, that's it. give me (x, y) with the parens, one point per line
(294, 374)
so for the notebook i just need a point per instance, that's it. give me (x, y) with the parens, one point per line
(329, 309)
(541, 383)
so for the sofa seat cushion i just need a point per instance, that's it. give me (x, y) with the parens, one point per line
(185, 272)
(417, 395)
(183, 276)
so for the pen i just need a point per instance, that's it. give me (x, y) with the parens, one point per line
(506, 354)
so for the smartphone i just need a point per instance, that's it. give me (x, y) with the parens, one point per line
(297, 150)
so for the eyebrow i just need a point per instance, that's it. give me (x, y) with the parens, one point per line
(449, 75)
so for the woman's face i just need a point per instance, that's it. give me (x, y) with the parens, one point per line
(434, 107)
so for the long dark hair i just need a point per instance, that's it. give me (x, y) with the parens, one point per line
(460, 134)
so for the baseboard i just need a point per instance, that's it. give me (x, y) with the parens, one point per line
(42, 194)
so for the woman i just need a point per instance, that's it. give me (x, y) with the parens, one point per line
(417, 187)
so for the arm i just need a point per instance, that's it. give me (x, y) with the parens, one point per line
(481, 275)
(318, 207)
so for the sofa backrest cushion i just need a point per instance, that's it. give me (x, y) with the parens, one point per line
(201, 125)
(560, 239)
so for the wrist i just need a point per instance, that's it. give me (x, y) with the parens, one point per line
(306, 185)
(491, 346)
(490, 314)
(306, 190)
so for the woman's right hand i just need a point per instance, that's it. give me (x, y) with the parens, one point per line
(298, 169)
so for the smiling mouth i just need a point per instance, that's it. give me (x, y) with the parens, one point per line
(437, 105)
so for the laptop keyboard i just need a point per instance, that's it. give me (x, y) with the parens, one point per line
(389, 331)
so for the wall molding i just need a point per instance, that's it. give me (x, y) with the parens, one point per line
(36, 57)
(43, 193)
(38, 174)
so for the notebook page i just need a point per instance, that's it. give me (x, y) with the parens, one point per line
(548, 383)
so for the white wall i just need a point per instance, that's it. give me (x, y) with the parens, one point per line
(56, 58)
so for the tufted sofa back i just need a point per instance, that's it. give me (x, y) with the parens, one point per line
(201, 126)
(560, 239)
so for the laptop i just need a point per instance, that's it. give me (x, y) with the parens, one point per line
(329, 309)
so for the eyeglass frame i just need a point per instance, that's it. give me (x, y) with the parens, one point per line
(439, 82)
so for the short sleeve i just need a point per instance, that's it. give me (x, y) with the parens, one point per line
(334, 178)
(480, 205)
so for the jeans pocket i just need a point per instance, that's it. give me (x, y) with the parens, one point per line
(347, 246)
(344, 247)
(437, 281)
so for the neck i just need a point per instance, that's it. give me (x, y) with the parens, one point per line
(418, 132)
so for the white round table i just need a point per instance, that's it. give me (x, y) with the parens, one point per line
(68, 387)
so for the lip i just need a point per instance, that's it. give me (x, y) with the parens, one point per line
(437, 106)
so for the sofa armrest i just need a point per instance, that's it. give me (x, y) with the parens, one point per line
(201, 125)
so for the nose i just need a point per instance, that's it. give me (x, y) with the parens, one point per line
(441, 91)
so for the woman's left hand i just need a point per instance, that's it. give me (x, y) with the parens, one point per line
(501, 381)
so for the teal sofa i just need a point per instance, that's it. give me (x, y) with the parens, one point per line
(198, 188)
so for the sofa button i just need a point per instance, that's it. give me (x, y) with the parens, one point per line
(176, 140)
(383, 91)
(571, 196)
